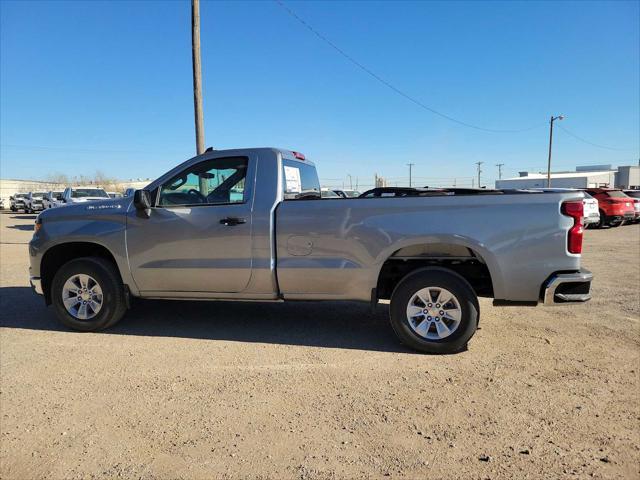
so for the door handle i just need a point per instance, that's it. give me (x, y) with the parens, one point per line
(231, 221)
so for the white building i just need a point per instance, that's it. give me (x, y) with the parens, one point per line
(583, 177)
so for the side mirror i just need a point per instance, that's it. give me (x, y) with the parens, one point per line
(142, 202)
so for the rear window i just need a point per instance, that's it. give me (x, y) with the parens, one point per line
(300, 180)
(634, 194)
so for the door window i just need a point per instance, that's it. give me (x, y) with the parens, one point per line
(218, 181)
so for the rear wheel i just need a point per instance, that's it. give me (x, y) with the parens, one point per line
(87, 294)
(434, 310)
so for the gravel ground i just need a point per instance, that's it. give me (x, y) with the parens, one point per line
(321, 390)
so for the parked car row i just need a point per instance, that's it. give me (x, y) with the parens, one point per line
(616, 207)
(33, 202)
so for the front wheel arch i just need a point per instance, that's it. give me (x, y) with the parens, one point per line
(56, 256)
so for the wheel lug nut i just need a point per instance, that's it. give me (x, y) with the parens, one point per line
(437, 319)
(437, 305)
(428, 318)
(441, 312)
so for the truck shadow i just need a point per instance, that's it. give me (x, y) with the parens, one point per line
(348, 325)
(26, 228)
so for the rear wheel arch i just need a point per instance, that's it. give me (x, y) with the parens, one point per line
(465, 261)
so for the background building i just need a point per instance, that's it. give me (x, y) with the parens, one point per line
(584, 177)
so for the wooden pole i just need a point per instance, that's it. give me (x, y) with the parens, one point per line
(197, 75)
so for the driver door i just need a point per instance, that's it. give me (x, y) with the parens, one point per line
(198, 235)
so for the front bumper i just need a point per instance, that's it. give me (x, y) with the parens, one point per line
(36, 285)
(567, 288)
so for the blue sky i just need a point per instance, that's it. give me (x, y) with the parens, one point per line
(107, 86)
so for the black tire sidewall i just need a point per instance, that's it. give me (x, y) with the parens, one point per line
(435, 277)
(105, 275)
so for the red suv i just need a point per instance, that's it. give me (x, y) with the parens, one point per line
(615, 207)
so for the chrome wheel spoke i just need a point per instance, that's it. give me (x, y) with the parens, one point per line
(453, 314)
(414, 311)
(70, 302)
(444, 297)
(82, 311)
(442, 329)
(422, 327)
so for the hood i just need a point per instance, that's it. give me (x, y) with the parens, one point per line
(104, 206)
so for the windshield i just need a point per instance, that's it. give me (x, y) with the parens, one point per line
(38, 194)
(633, 193)
(616, 194)
(351, 193)
(20, 195)
(88, 192)
(329, 194)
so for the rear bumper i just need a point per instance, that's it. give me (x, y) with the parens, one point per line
(572, 287)
(591, 219)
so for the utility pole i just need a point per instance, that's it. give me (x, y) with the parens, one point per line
(410, 167)
(197, 75)
(553, 119)
(479, 172)
(499, 165)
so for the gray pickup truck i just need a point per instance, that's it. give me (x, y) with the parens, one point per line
(250, 224)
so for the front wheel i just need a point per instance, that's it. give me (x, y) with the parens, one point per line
(88, 295)
(434, 310)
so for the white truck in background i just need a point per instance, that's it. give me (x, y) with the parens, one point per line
(83, 194)
(52, 199)
(33, 202)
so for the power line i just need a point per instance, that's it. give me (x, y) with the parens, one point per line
(591, 143)
(389, 85)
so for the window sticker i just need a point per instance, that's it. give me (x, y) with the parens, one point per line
(292, 177)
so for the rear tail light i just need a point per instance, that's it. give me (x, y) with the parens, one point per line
(575, 210)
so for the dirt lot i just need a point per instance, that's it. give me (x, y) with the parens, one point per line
(321, 390)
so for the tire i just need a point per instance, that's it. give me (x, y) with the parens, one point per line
(105, 275)
(407, 296)
(603, 220)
